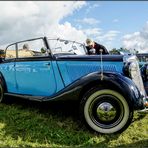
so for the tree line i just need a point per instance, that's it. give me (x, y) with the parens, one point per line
(121, 49)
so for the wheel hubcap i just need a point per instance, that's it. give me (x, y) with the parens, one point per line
(106, 112)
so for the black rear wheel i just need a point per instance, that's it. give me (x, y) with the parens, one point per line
(105, 111)
(1, 93)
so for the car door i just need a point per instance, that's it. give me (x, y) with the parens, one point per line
(34, 69)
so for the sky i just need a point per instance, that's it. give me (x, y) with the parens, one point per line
(113, 24)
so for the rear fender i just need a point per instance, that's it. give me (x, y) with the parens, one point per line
(2, 82)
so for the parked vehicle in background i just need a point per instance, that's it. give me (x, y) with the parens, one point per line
(108, 88)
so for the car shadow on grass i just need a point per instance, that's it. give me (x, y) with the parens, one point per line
(47, 108)
(29, 123)
(140, 144)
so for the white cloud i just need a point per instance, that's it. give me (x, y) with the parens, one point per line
(27, 19)
(107, 36)
(91, 5)
(110, 35)
(89, 21)
(137, 40)
(93, 31)
(71, 32)
(15, 10)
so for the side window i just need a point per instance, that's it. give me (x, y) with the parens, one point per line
(11, 52)
(32, 48)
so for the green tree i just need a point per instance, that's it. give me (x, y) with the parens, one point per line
(114, 51)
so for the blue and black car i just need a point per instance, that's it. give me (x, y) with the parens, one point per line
(108, 88)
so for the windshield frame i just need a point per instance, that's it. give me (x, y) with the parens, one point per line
(64, 40)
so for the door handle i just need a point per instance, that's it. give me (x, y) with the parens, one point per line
(47, 64)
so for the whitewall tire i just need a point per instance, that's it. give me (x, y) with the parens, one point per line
(106, 111)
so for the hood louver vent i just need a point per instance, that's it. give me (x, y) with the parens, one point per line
(76, 71)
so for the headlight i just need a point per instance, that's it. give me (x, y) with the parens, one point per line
(130, 64)
(132, 70)
(133, 66)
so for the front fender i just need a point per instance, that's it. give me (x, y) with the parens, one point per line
(112, 80)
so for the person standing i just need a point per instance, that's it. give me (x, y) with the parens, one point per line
(93, 48)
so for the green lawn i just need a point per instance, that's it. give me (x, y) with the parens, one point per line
(31, 124)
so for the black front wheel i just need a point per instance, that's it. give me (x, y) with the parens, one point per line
(105, 111)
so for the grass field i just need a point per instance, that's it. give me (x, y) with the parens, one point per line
(31, 124)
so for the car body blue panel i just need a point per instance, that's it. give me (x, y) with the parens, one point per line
(37, 78)
(60, 84)
(73, 70)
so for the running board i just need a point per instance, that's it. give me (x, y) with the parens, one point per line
(28, 97)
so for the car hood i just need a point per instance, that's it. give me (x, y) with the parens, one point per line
(62, 57)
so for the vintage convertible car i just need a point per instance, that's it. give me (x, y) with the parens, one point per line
(108, 88)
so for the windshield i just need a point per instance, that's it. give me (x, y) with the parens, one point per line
(60, 46)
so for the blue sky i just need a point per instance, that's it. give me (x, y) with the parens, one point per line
(114, 24)
(126, 17)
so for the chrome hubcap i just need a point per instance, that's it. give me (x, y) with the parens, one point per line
(106, 112)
